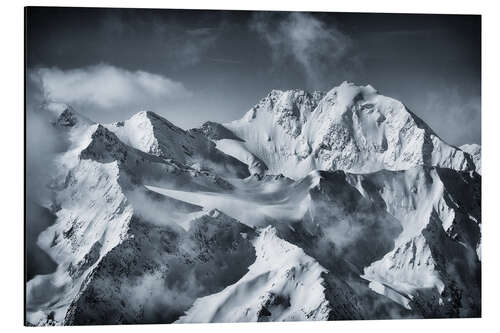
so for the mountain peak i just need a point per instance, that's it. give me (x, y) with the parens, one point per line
(104, 146)
(347, 93)
(351, 127)
(147, 114)
(298, 104)
(64, 115)
(295, 104)
(153, 118)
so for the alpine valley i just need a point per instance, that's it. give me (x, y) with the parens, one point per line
(341, 205)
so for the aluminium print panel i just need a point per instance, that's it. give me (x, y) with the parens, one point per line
(199, 166)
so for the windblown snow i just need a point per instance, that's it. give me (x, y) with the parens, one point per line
(312, 206)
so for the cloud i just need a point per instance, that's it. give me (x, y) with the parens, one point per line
(106, 87)
(42, 143)
(318, 48)
(455, 114)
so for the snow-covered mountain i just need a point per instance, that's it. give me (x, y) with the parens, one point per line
(313, 206)
(155, 135)
(351, 128)
(283, 284)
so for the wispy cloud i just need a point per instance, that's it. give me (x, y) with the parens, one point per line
(106, 87)
(42, 143)
(316, 47)
(456, 115)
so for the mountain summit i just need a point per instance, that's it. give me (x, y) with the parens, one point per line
(351, 128)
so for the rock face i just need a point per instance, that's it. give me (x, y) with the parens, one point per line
(313, 206)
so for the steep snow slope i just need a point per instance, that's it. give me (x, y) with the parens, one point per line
(283, 284)
(155, 135)
(228, 142)
(97, 192)
(474, 151)
(238, 149)
(351, 128)
(92, 217)
(435, 262)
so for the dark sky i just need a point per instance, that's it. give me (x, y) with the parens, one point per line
(193, 66)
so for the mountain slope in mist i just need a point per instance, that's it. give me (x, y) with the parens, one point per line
(313, 206)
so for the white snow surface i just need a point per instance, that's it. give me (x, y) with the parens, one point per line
(93, 218)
